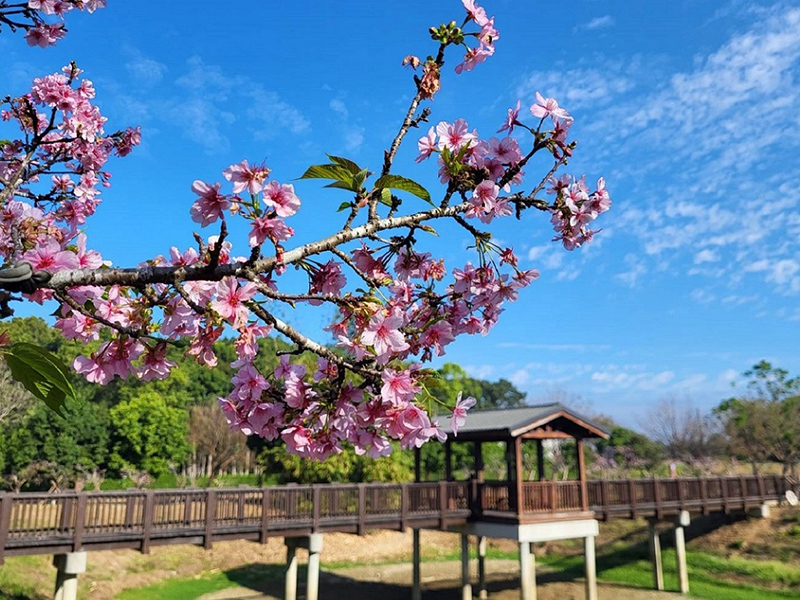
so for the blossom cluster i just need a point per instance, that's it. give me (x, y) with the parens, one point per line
(52, 174)
(43, 20)
(395, 308)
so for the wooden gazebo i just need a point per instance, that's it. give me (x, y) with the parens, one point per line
(515, 498)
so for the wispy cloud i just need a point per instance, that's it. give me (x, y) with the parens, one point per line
(603, 22)
(698, 177)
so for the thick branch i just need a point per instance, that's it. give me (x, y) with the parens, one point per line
(137, 277)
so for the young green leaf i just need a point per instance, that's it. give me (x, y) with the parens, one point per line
(346, 163)
(335, 172)
(41, 372)
(397, 182)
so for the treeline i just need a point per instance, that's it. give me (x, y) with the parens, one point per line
(171, 432)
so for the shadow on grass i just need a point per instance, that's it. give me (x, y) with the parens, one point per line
(269, 580)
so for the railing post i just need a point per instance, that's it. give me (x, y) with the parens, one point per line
(762, 492)
(657, 496)
(403, 506)
(723, 486)
(264, 514)
(443, 504)
(704, 495)
(187, 509)
(148, 515)
(240, 507)
(632, 497)
(5, 520)
(743, 491)
(211, 514)
(80, 522)
(316, 500)
(680, 493)
(66, 514)
(362, 508)
(553, 496)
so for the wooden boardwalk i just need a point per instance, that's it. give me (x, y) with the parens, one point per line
(32, 523)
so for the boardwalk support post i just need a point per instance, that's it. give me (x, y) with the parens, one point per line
(313, 543)
(290, 587)
(312, 579)
(655, 555)
(591, 568)
(482, 593)
(527, 576)
(466, 586)
(681, 522)
(69, 567)
(416, 590)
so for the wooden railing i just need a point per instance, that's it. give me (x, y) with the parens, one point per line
(57, 523)
(654, 497)
(634, 497)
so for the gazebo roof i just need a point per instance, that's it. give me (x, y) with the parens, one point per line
(541, 421)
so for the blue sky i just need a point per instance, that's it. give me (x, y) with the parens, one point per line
(689, 109)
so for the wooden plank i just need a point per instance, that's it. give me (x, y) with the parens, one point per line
(519, 501)
(604, 502)
(704, 495)
(762, 493)
(681, 493)
(632, 498)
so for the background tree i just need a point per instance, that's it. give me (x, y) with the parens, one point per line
(764, 423)
(215, 443)
(149, 433)
(686, 432)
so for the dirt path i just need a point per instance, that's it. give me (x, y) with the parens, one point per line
(440, 581)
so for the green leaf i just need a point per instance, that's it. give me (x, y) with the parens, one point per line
(386, 197)
(342, 185)
(348, 164)
(41, 372)
(344, 206)
(335, 172)
(397, 182)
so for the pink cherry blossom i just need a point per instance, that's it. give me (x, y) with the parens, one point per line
(244, 177)
(281, 198)
(211, 204)
(459, 416)
(231, 298)
(383, 334)
(547, 107)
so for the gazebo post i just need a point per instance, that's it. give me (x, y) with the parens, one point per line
(518, 488)
(417, 465)
(448, 461)
(582, 474)
(540, 459)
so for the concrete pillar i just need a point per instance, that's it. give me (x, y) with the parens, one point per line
(466, 586)
(527, 579)
(482, 593)
(312, 580)
(655, 555)
(290, 589)
(591, 568)
(416, 589)
(69, 567)
(682, 521)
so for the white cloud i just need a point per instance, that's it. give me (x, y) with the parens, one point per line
(705, 256)
(603, 22)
